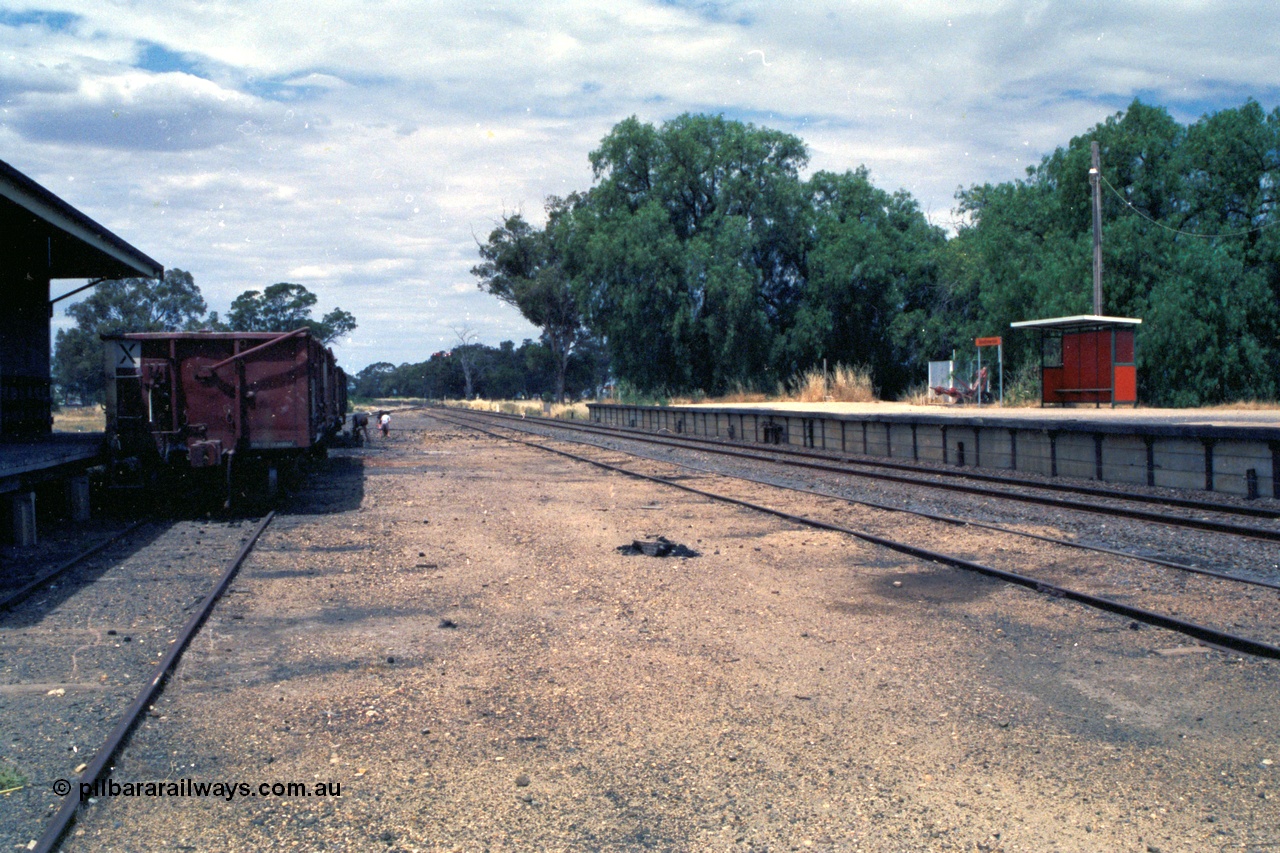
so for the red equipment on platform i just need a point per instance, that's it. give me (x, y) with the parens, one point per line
(977, 391)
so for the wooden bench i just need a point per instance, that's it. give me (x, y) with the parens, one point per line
(1108, 391)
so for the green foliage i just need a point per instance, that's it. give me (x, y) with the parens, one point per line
(11, 778)
(703, 263)
(1022, 384)
(533, 271)
(633, 298)
(1208, 303)
(284, 307)
(872, 266)
(113, 307)
(694, 249)
(503, 372)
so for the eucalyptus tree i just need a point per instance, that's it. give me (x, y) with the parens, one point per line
(695, 249)
(870, 270)
(169, 304)
(532, 270)
(283, 307)
(1189, 245)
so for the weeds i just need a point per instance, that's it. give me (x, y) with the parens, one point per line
(11, 779)
(841, 384)
(1022, 386)
(917, 395)
(528, 408)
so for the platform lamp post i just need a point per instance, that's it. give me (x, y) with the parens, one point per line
(1095, 181)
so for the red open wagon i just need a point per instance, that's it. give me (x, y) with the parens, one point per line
(216, 400)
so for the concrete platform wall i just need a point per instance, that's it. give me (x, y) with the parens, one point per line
(1238, 461)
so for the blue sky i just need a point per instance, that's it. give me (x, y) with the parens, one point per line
(361, 147)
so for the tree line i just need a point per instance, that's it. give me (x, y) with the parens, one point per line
(505, 372)
(700, 260)
(174, 304)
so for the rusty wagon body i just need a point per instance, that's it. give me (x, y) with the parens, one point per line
(205, 401)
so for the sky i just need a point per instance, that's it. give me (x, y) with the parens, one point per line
(362, 147)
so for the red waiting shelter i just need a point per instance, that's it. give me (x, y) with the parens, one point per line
(1086, 359)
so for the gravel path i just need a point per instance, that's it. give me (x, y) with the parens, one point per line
(445, 627)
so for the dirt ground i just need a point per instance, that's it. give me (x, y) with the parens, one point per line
(444, 627)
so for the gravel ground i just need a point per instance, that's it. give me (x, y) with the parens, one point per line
(1229, 606)
(58, 543)
(76, 652)
(444, 627)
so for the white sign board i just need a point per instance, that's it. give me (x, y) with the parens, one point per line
(128, 355)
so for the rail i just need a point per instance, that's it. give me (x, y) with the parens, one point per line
(55, 829)
(1206, 634)
(803, 460)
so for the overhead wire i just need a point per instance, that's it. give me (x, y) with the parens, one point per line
(1159, 224)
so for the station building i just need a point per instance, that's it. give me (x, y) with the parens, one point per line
(42, 239)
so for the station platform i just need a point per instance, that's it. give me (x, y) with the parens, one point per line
(1233, 451)
(53, 467)
(25, 463)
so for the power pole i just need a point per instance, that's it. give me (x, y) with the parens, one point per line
(1095, 180)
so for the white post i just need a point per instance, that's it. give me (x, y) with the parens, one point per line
(1000, 356)
(979, 376)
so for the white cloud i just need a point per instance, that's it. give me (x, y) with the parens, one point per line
(361, 147)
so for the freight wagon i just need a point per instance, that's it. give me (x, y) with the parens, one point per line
(228, 408)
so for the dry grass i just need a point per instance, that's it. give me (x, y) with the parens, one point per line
(389, 404)
(743, 395)
(80, 419)
(918, 395)
(1248, 406)
(565, 411)
(842, 384)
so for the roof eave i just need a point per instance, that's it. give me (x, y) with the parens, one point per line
(40, 202)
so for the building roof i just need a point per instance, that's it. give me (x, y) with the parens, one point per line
(1078, 320)
(76, 246)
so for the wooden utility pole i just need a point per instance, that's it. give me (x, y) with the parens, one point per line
(1095, 180)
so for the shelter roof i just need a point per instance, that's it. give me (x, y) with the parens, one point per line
(1077, 321)
(76, 246)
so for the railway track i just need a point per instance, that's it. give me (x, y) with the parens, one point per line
(1205, 606)
(21, 581)
(85, 650)
(1216, 516)
(905, 493)
(1251, 563)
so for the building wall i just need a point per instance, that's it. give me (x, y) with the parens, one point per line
(24, 355)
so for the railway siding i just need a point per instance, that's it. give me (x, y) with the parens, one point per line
(466, 652)
(76, 652)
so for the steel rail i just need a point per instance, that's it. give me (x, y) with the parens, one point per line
(22, 592)
(1204, 633)
(1210, 525)
(1089, 491)
(965, 522)
(946, 519)
(55, 829)
(1072, 488)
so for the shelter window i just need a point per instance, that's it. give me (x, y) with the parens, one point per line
(1124, 346)
(1051, 349)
